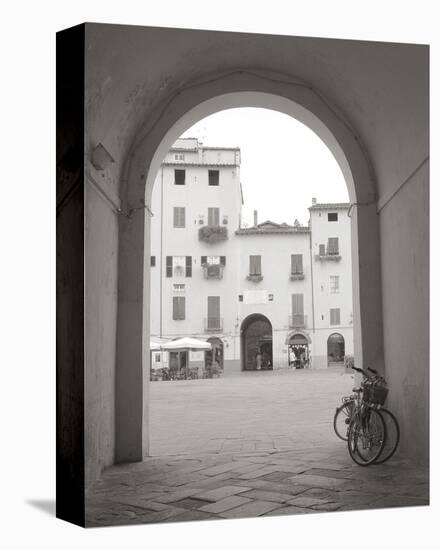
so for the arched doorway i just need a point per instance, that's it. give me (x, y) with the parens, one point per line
(214, 357)
(335, 349)
(172, 116)
(298, 351)
(256, 343)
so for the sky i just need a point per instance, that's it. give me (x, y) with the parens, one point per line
(283, 163)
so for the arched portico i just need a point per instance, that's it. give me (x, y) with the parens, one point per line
(172, 117)
(256, 343)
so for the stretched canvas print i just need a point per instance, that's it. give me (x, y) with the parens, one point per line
(242, 275)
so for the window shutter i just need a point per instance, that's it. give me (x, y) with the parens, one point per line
(335, 316)
(179, 216)
(188, 266)
(254, 265)
(296, 263)
(178, 308)
(169, 266)
(204, 260)
(297, 304)
(322, 249)
(213, 217)
(213, 312)
(333, 246)
(152, 261)
(223, 260)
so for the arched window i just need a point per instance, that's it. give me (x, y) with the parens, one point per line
(335, 348)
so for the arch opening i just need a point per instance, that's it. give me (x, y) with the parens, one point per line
(256, 343)
(154, 140)
(335, 349)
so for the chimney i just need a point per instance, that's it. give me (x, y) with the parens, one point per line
(255, 218)
(313, 201)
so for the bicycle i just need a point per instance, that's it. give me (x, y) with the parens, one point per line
(372, 432)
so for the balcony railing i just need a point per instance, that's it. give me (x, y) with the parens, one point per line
(255, 278)
(213, 324)
(213, 271)
(213, 234)
(299, 320)
(296, 276)
(328, 256)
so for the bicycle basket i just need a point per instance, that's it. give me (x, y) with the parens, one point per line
(375, 394)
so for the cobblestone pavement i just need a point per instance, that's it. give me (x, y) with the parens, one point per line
(246, 447)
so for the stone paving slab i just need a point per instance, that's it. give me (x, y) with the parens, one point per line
(279, 458)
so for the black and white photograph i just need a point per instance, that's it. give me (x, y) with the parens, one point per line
(222, 282)
(249, 227)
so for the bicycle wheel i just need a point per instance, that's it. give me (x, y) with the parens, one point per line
(366, 436)
(341, 420)
(392, 436)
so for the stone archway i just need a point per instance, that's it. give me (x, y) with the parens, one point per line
(180, 110)
(256, 343)
(335, 348)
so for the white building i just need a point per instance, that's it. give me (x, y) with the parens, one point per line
(265, 296)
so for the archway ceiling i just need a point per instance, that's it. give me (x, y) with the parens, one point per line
(381, 87)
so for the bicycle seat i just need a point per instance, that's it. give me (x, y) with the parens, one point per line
(357, 390)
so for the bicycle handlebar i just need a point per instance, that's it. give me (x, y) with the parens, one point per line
(372, 370)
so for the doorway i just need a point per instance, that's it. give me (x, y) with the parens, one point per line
(298, 352)
(256, 343)
(335, 349)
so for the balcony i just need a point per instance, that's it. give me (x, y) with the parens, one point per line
(296, 276)
(254, 278)
(213, 234)
(299, 320)
(213, 324)
(213, 271)
(328, 257)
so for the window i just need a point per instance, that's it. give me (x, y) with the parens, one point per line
(322, 249)
(179, 177)
(213, 260)
(152, 261)
(179, 288)
(179, 156)
(240, 297)
(270, 297)
(179, 216)
(296, 264)
(213, 320)
(334, 284)
(298, 319)
(254, 265)
(188, 266)
(213, 217)
(335, 316)
(178, 266)
(178, 308)
(332, 217)
(333, 246)
(213, 177)
(157, 357)
(297, 304)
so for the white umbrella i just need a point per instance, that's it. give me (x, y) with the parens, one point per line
(187, 343)
(154, 346)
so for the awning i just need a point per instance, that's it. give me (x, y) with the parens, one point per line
(186, 344)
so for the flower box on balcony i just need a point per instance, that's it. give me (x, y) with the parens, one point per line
(327, 257)
(255, 278)
(213, 234)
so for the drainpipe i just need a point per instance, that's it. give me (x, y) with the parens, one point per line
(161, 251)
(311, 276)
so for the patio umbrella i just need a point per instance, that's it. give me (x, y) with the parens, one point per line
(186, 344)
(154, 346)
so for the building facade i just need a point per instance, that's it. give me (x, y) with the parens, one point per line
(266, 297)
